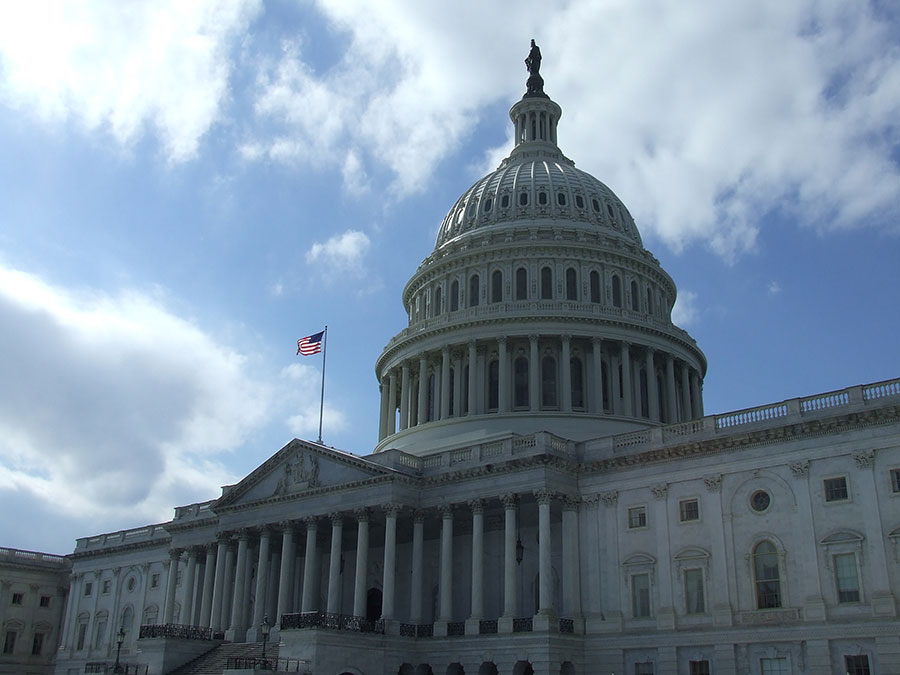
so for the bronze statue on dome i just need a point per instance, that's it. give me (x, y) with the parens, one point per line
(535, 84)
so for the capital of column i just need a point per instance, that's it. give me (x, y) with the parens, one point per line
(533, 338)
(864, 459)
(286, 525)
(445, 351)
(243, 534)
(418, 516)
(570, 502)
(502, 339)
(477, 505)
(263, 529)
(223, 537)
(362, 515)
(175, 553)
(543, 496)
(193, 552)
(597, 342)
(610, 498)
(391, 509)
(510, 501)
(311, 522)
(336, 517)
(446, 511)
(566, 338)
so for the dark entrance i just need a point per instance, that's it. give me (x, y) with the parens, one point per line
(373, 605)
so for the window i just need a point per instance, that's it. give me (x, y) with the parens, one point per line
(576, 372)
(699, 667)
(548, 382)
(99, 632)
(836, 489)
(520, 397)
(504, 201)
(637, 517)
(523, 199)
(610, 211)
(37, 646)
(17, 598)
(595, 287)
(895, 480)
(454, 296)
(542, 198)
(45, 601)
(617, 291)
(546, 283)
(649, 301)
(846, 577)
(694, 599)
(9, 644)
(473, 290)
(643, 668)
(497, 286)
(131, 584)
(88, 588)
(154, 581)
(688, 509)
(82, 630)
(765, 571)
(640, 596)
(521, 284)
(760, 500)
(856, 664)
(438, 299)
(106, 586)
(493, 385)
(635, 300)
(595, 204)
(488, 203)
(579, 201)
(561, 198)
(777, 666)
(571, 284)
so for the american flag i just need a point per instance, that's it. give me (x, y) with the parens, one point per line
(311, 344)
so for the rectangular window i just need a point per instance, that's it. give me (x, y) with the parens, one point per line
(699, 667)
(88, 588)
(45, 601)
(99, 633)
(778, 666)
(836, 489)
(9, 644)
(38, 645)
(154, 581)
(643, 668)
(689, 509)
(856, 664)
(82, 630)
(693, 592)
(106, 586)
(895, 480)
(846, 577)
(17, 598)
(637, 517)
(640, 595)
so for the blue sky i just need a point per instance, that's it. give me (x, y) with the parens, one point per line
(187, 188)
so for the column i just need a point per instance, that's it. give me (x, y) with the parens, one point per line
(422, 415)
(571, 581)
(215, 621)
(652, 390)
(445, 382)
(334, 564)
(236, 631)
(686, 394)
(390, 561)
(286, 574)
(71, 610)
(187, 605)
(209, 574)
(228, 586)
(174, 557)
(534, 374)
(473, 624)
(510, 601)
(696, 395)
(415, 598)
(446, 591)
(597, 352)
(627, 381)
(505, 384)
(545, 596)
(671, 405)
(262, 582)
(566, 373)
(392, 404)
(882, 597)
(457, 383)
(362, 561)
(473, 378)
(310, 587)
(383, 416)
(665, 616)
(404, 396)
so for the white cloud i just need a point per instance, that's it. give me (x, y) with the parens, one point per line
(341, 253)
(685, 311)
(774, 288)
(303, 405)
(121, 67)
(112, 404)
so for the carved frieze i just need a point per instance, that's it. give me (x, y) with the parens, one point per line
(713, 482)
(301, 472)
(864, 459)
(800, 469)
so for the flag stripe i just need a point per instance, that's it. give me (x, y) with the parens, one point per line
(311, 344)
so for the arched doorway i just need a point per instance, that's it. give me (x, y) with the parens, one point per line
(373, 604)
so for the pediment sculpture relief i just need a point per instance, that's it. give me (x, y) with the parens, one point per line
(301, 472)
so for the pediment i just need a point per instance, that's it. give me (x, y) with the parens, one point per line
(692, 553)
(639, 559)
(300, 467)
(843, 537)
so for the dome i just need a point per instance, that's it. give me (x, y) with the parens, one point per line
(539, 309)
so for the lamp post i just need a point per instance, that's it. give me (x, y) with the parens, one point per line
(264, 629)
(120, 638)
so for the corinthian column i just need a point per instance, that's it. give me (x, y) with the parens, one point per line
(544, 552)
(504, 385)
(209, 573)
(187, 609)
(362, 562)
(473, 378)
(390, 560)
(391, 427)
(415, 598)
(565, 369)
(237, 630)
(219, 586)
(446, 608)
(473, 624)
(262, 580)
(310, 587)
(422, 415)
(286, 573)
(404, 396)
(445, 382)
(510, 602)
(334, 563)
(174, 557)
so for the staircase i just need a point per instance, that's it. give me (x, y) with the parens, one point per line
(213, 662)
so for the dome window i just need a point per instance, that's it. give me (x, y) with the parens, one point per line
(520, 383)
(561, 198)
(473, 291)
(548, 383)
(576, 370)
(493, 393)
(649, 301)
(617, 291)
(488, 204)
(546, 283)
(454, 296)
(595, 203)
(472, 210)
(542, 198)
(579, 201)
(523, 199)
(595, 287)
(571, 284)
(609, 210)
(521, 284)
(436, 308)
(497, 286)
(504, 202)
(635, 299)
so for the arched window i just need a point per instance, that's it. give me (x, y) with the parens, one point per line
(635, 300)
(548, 382)
(523, 199)
(127, 622)
(521, 284)
(497, 286)
(617, 291)
(595, 286)
(493, 392)
(546, 283)
(571, 284)
(577, 376)
(520, 395)
(473, 290)
(454, 296)
(766, 575)
(438, 298)
(649, 300)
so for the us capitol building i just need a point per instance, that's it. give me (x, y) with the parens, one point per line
(547, 494)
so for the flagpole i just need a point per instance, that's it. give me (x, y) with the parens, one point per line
(322, 397)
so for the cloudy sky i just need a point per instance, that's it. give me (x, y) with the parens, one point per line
(187, 188)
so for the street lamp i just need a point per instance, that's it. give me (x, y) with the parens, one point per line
(264, 629)
(120, 638)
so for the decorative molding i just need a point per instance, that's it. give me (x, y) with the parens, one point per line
(713, 482)
(610, 498)
(660, 490)
(544, 497)
(362, 515)
(477, 505)
(864, 459)
(391, 509)
(510, 501)
(800, 469)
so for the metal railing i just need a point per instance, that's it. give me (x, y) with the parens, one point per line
(259, 663)
(127, 668)
(175, 630)
(358, 624)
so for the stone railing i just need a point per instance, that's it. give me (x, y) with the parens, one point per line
(122, 537)
(175, 630)
(523, 625)
(47, 560)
